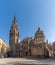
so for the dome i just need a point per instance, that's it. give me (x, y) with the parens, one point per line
(39, 35)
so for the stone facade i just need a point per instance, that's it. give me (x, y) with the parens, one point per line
(38, 45)
(26, 46)
(53, 48)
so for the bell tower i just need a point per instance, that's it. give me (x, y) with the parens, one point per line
(14, 39)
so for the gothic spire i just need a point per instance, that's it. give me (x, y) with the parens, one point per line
(14, 24)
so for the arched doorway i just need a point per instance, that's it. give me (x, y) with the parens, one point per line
(26, 53)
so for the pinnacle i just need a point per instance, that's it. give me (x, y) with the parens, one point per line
(14, 18)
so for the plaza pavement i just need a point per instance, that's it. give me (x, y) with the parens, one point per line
(11, 61)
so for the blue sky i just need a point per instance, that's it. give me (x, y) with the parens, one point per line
(30, 14)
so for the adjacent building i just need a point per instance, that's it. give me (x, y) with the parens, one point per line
(3, 48)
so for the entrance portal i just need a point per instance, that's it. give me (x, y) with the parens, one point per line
(26, 53)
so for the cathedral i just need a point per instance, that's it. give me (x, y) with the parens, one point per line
(28, 47)
(37, 47)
